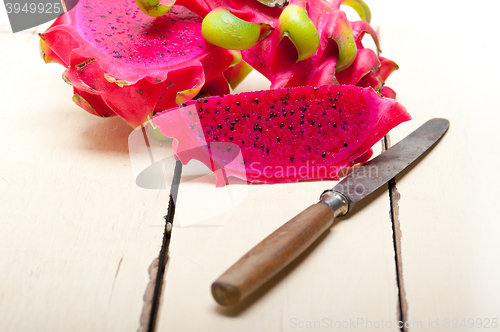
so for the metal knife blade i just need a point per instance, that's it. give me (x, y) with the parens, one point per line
(280, 248)
(378, 171)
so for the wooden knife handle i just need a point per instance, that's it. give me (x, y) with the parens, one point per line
(271, 255)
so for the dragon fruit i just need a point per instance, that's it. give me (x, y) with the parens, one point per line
(284, 135)
(123, 62)
(307, 43)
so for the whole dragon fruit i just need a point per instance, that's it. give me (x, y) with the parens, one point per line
(123, 62)
(304, 43)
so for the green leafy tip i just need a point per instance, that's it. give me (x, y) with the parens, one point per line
(154, 7)
(360, 7)
(295, 24)
(225, 30)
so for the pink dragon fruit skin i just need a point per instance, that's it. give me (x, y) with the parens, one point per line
(323, 67)
(285, 135)
(123, 62)
(276, 57)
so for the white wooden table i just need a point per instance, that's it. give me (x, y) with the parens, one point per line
(80, 240)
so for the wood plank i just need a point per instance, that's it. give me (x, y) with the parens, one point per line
(349, 274)
(447, 212)
(77, 234)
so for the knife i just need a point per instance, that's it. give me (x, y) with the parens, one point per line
(285, 244)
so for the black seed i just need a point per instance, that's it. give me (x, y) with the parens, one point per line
(291, 158)
(192, 126)
(254, 144)
(262, 147)
(160, 54)
(260, 128)
(290, 127)
(267, 150)
(338, 93)
(237, 119)
(201, 116)
(256, 100)
(190, 113)
(302, 116)
(334, 125)
(108, 35)
(91, 20)
(182, 53)
(334, 106)
(281, 125)
(343, 127)
(200, 109)
(336, 99)
(242, 142)
(301, 122)
(259, 117)
(291, 112)
(315, 88)
(330, 98)
(345, 144)
(216, 138)
(278, 139)
(302, 131)
(286, 96)
(313, 122)
(231, 128)
(324, 113)
(284, 114)
(233, 123)
(220, 126)
(323, 155)
(218, 103)
(272, 106)
(230, 138)
(205, 101)
(199, 101)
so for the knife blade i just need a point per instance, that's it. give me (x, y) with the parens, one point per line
(280, 248)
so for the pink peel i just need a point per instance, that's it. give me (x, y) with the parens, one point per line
(116, 52)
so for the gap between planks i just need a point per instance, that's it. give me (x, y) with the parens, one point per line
(394, 197)
(152, 297)
(158, 267)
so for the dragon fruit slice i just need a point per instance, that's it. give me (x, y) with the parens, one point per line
(123, 62)
(284, 135)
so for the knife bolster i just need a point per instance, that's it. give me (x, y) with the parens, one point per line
(337, 201)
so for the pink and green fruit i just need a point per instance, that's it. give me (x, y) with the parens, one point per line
(123, 62)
